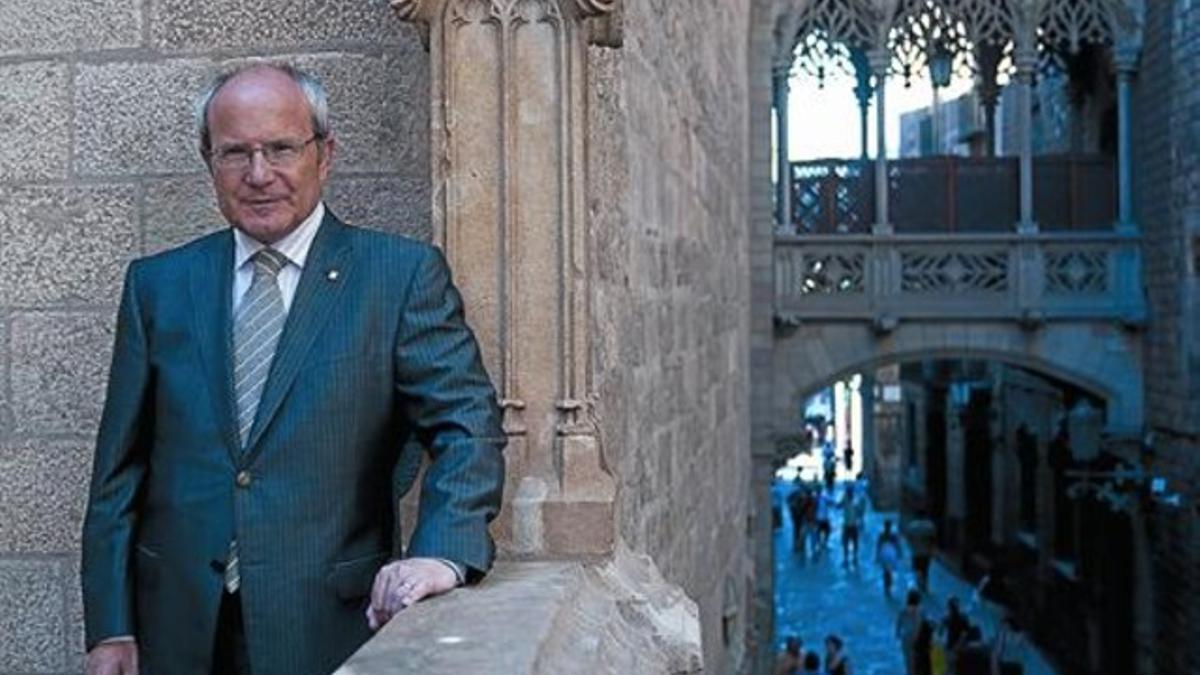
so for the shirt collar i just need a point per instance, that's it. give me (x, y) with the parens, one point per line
(294, 246)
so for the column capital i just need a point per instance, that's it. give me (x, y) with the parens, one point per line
(604, 16)
(1025, 58)
(1126, 58)
(880, 59)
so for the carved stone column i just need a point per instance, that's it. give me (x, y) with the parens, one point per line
(1125, 59)
(509, 133)
(1025, 58)
(780, 74)
(880, 59)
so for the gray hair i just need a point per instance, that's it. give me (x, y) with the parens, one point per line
(310, 86)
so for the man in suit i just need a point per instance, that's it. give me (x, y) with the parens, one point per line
(264, 381)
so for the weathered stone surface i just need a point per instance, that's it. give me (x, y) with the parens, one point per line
(35, 110)
(31, 615)
(44, 26)
(137, 118)
(65, 245)
(59, 370)
(74, 624)
(536, 618)
(6, 420)
(379, 105)
(395, 204)
(177, 210)
(667, 207)
(182, 24)
(43, 488)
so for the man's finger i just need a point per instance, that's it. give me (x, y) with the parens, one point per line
(415, 593)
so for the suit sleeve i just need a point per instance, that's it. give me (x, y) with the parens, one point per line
(447, 397)
(117, 472)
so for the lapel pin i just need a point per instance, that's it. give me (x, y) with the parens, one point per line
(332, 275)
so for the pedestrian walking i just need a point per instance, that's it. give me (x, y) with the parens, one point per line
(854, 511)
(825, 505)
(836, 660)
(956, 629)
(795, 504)
(789, 662)
(1008, 649)
(921, 533)
(830, 465)
(908, 625)
(887, 556)
(848, 458)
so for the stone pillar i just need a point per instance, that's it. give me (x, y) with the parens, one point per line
(1025, 58)
(508, 85)
(1125, 59)
(870, 440)
(783, 184)
(880, 58)
(987, 56)
(956, 495)
(862, 92)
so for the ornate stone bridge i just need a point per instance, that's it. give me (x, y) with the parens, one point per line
(1066, 304)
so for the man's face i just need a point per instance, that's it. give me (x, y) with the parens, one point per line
(257, 110)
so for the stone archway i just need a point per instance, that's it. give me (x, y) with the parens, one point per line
(1103, 360)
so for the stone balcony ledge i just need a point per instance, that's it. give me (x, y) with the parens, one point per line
(528, 618)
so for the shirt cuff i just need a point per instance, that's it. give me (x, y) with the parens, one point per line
(116, 638)
(460, 575)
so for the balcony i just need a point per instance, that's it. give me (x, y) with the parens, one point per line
(949, 194)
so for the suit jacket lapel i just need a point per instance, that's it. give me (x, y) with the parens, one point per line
(212, 305)
(316, 296)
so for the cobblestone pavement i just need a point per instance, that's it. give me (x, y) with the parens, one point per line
(816, 598)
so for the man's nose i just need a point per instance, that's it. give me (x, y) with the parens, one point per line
(259, 171)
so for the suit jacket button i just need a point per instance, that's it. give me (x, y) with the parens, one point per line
(243, 479)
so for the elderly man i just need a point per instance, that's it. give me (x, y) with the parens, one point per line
(264, 381)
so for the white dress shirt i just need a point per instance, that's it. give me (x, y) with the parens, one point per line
(294, 247)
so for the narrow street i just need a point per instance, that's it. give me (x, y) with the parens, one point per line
(821, 597)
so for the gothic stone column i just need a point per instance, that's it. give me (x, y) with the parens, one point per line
(509, 133)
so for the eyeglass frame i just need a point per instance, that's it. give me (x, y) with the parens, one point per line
(219, 157)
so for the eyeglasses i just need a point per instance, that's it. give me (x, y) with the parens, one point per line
(280, 154)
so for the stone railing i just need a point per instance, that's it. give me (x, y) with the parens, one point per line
(1027, 278)
(613, 617)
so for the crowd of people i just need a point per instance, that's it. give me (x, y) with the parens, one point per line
(952, 644)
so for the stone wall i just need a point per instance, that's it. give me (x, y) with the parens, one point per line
(1167, 198)
(669, 177)
(98, 166)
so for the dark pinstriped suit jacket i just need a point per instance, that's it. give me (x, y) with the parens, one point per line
(370, 356)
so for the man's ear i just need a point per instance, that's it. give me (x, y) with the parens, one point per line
(326, 150)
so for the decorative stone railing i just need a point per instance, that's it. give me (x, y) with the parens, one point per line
(1030, 279)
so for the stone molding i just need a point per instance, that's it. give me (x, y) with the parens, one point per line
(509, 134)
(536, 618)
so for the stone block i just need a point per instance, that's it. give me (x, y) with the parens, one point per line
(187, 25)
(59, 370)
(65, 245)
(379, 105)
(48, 26)
(396, 204)
(31, 615)
(74, 624)
(43, 490)
(177, 210)
(35, 108)
(6, 421)
(137, 118)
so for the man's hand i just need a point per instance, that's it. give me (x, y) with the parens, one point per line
(402, 583)
(113, 658)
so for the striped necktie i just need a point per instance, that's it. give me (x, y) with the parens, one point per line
(257, 325)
